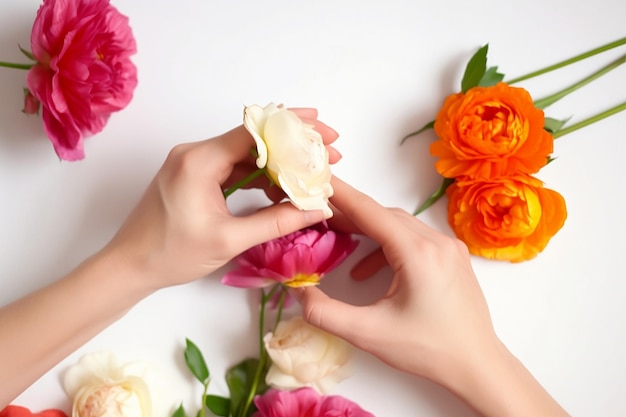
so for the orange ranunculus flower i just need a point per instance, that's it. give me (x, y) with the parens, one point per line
(510, 218)
(490, 132)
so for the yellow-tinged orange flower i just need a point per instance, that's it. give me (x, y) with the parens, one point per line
(490, 132)
(510, 218)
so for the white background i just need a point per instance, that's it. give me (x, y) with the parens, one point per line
(376, 70)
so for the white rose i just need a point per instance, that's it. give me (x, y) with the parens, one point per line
(305, 356)
(293, 154)
(99, 386)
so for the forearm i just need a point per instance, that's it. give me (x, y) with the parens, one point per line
(499, 385)
(39, 330)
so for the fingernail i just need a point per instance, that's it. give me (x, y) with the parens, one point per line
(314, 216)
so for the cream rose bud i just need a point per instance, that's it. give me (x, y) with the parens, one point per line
(305, 356)
(100, 386)
(293, 154)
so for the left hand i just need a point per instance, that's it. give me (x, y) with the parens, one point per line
(182, 229)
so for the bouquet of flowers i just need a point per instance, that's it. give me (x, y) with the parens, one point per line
(492, 138)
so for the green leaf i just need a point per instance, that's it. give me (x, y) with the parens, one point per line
(180, 412)
(491, 77)
(220, 406)
(239, 380)
(554, 125)
(434, 197)
(475, 69)
(26, 53)
(195, 362)
(427, 126)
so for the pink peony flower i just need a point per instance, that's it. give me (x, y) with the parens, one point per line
(299, 259)
(19, 411)
(305, 402)
(83, 71)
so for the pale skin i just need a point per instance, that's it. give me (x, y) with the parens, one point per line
(180, 230)
(433, 322)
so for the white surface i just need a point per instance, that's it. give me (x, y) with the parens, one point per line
(376, 70)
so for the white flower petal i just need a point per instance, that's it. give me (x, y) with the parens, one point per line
(100, 386)
(293, 154)
(303, 355)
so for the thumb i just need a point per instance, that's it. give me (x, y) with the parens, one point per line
(336, 317)
(273, 222)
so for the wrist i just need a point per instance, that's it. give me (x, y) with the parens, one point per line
(495, 383)
(122, 274)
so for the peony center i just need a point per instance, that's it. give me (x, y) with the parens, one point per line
(303, 280)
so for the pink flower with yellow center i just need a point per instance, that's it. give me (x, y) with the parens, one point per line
(299, 259)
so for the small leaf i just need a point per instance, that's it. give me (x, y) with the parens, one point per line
(554, 125)
(475, 69)
(427, 126)
(220, 406)
(491, 77)
(180, 412)
(195, 362)
(26, 53)
(434, 197)
(239, 379)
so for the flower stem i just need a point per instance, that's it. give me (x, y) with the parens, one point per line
(590, 120)
(16, 66)
(202, 412)
(569, 61)
(435, 196)
(551, 99)
(281, 303)
(243, 182)
(262, 352)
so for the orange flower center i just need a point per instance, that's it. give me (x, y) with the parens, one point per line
(515, 213)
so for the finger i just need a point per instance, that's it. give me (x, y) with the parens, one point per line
(369, 265)
(333, 155)
(275, 193)
(329, 135)
(304, 112)
(271, 223)
(241, 171)
(370, 217)
(342, 223)
(232, 147)
(333, 316)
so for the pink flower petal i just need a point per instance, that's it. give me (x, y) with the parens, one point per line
(305, 402)
(311, 251)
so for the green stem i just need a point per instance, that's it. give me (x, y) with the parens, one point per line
(243, 182)
(262, 352)
(16, 66)
(203, 405)
(590, 120)
(569, 61)
(281, 303)
(551, 99)
(435, 196)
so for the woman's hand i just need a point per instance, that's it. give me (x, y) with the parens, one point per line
(433, 321)
(434, 305)
(182, 229)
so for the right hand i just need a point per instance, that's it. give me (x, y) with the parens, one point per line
(434, 316)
